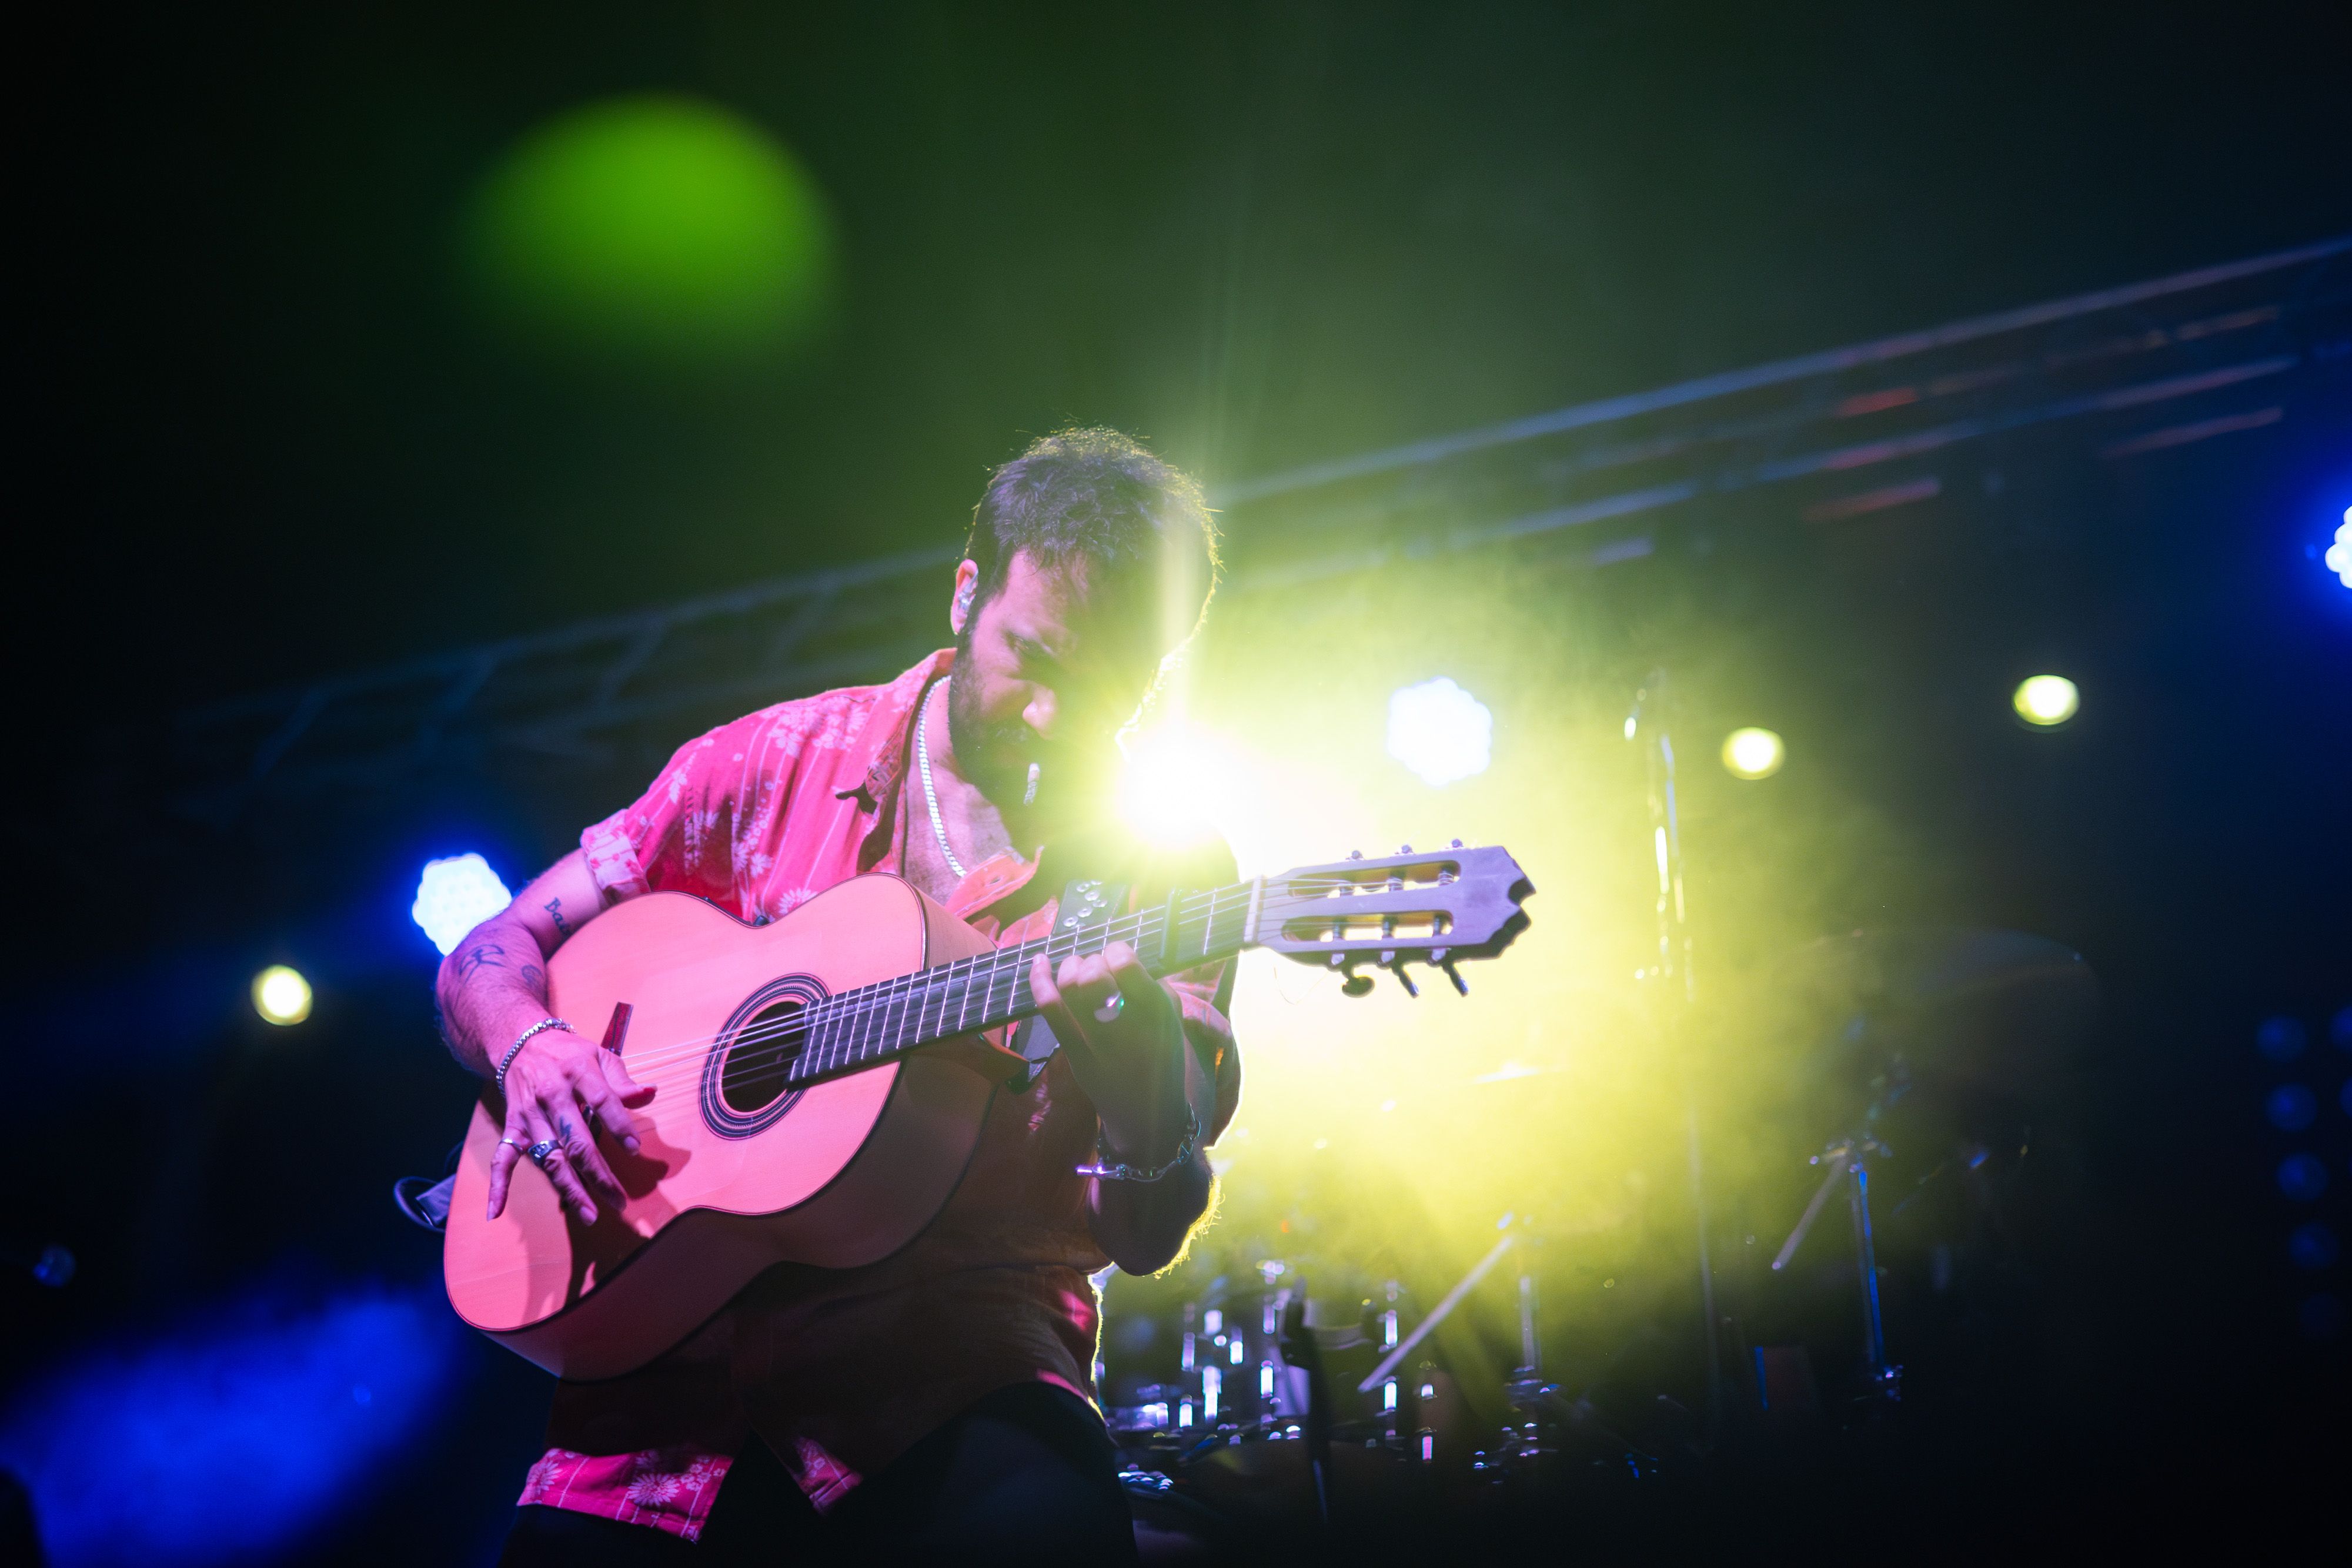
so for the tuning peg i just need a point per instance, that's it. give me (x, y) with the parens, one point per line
(1355, 855)
(1404, 849)
(1454, 845)
(1455, 974)
(1356, 985)
(1403, 979)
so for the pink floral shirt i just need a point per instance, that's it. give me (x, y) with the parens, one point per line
(841, 1371)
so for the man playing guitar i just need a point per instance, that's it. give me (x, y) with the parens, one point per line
(940, 1400)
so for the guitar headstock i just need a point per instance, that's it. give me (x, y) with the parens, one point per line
(1440, 908)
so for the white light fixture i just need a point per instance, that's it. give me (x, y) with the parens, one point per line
(1753, 754)
(1440, 731)
(281, 996)
(2339, 554)
(1176, 783)
(456, 894)
(2046, 701)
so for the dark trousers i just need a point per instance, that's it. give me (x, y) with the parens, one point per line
(1026, 1472)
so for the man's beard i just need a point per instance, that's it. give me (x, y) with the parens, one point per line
(996, 757)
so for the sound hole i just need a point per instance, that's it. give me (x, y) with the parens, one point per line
(763, 1051)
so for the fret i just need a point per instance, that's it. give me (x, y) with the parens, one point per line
(811, 1038)
(984, 990)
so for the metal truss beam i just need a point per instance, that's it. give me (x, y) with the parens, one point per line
(1845, 433)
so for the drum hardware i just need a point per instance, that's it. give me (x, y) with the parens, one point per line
(1848, 1161)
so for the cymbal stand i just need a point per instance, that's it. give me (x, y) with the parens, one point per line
(1848, 1163)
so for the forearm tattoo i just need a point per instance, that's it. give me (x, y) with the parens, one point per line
(483, 955)
(554, 907)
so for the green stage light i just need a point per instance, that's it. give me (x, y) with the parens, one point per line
(653, 227)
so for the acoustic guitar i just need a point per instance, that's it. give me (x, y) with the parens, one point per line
(823, 1078)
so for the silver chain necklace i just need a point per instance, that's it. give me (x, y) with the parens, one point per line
(930, 792)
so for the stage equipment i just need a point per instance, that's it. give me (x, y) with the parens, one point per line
(1975, 1024)
(2339, 554)
(2109, 375)
(281, 996)
(454, 896)
(1674, 990)
(49, 1264)
(2046, 701)
(828, 1074)
(1753, 753)
(1175, 783)
(1440, 732)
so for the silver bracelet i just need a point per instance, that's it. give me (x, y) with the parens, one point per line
(521, 1040)
(1146, 1173)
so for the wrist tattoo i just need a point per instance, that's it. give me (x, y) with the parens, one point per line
(485, 955)
(554, 907)
(535, 977)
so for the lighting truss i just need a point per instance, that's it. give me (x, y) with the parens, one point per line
(2118, 373)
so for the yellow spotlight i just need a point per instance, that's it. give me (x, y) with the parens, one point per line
(1176, 785)
(2046, 700)
(1753, 753)
(281, 995)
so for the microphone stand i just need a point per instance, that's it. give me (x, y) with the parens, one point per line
(1678, 991)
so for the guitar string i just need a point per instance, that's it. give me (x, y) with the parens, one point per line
(884, 995)
(924, 985)
(841, 1046)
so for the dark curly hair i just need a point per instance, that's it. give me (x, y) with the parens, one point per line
(1096, 495)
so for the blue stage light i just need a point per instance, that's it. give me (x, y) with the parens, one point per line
(2291, 1107)
(231, 1440)
(2281, 1040)
(2339, 554)
(1440, 731)
(2303, 1177)
(2340, 1030)
(455, 895)
(2312, 1246)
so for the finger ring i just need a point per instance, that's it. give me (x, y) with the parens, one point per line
(1112, 1009)
(516, 1142)
(544, 1151)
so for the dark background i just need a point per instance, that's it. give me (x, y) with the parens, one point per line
(264, 438)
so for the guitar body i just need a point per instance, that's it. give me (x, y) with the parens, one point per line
(733, 1174)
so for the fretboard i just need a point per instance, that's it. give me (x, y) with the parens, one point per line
(858, 1027)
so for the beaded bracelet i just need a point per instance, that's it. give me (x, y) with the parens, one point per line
(1146, 1173)
(521, 1040)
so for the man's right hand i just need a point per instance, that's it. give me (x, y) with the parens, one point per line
(568, 1090)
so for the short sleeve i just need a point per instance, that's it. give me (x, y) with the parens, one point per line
(679, 835)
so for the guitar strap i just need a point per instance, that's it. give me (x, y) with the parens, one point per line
(1083, 902)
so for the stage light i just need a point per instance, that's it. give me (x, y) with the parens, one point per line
(2291, 1107)
(241, 1430)
(1176, 785)
(2046, 701)
(1753, 753)
(2339, 554)
(1440, 732)
(281, 995)
(2303, 1177)
(456, 894)
(655, 226)
(2281, 1038)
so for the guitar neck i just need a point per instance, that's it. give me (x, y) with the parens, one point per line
(873, 1023)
